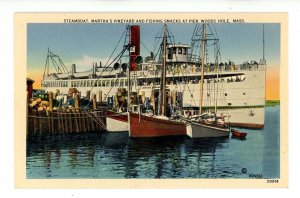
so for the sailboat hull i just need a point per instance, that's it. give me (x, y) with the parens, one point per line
(197, 130)
(145, 126)
(116, 122)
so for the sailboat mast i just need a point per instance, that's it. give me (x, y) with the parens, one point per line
(202, 68)
(129, 68)
(163, 74)
(217, 89)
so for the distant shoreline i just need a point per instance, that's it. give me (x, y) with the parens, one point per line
(272, 102)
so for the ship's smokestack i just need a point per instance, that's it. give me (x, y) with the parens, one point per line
(94, 69)
(134, 46)
(73, 69)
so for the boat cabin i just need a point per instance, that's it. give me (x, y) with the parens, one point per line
(177, 53)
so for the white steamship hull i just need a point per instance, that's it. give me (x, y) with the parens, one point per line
(242, 100)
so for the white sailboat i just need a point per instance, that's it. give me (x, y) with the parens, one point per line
(204, 125)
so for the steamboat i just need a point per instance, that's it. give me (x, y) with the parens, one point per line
(240, 94)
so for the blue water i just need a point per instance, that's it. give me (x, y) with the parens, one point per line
(118, 156)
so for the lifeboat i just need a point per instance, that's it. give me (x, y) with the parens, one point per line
(238, 134)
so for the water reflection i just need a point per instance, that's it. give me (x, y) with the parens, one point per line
(169, 157)
(239, 138)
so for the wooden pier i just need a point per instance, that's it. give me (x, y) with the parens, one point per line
(65, 122)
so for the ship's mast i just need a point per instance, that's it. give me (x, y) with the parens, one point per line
(202, 68)
(129, 83)
(264, 60)
(47, 64)
(163, 75)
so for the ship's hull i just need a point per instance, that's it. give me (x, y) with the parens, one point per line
(116, 122)
(252, 118)
(146, 126)
(197, 130)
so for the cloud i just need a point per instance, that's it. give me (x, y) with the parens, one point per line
(85, 63)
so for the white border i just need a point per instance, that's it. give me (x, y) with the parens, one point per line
(7, 10)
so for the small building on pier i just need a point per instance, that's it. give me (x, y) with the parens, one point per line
(29, 87)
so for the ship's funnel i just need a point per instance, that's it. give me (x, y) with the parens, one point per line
(134, 46)
(94, 69)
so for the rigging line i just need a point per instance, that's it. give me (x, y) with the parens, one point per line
(110, 87)
(195, 40)
(156, 40)
(96, 82)
(62, 63)
(65, 70)
(213, 35)
(105, 67)
(170, 35)
(221, 90)
(53, 56)
(185, 84)
(57, 64)
(160, 49)
(194, 32)
(57, 69)
(48, 53)
(158, 52)
(118, 57)
(47, 63)
(127, 36)
(145, 47)
(184, 77)
(215, 31)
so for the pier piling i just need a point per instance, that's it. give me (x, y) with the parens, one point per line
(94, 102)
(65, 121)
(50, 101)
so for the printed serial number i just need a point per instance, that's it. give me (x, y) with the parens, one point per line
(272, 181)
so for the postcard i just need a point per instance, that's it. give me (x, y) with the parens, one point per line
(151, 100)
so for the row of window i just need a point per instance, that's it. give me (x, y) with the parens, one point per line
(179, 50)
(55, 84)
(120, 82)
(88, 83)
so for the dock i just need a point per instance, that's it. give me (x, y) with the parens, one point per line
(65, 122)
(45, 118)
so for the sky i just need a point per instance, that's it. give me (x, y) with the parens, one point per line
(84, 44)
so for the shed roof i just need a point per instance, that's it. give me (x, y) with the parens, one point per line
(30, 80)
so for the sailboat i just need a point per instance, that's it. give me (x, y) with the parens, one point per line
(206, 125)
(156, 126)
